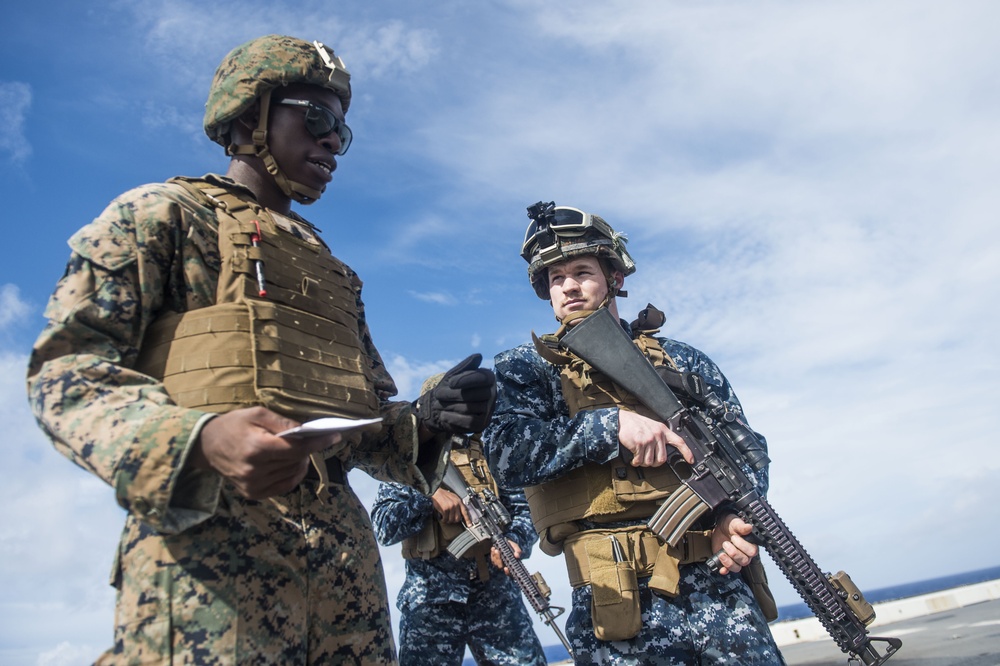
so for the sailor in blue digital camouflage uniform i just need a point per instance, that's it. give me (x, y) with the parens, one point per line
(557, 430)
(446, 602)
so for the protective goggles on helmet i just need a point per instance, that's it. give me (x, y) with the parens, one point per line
(544, 231)
(320, 122)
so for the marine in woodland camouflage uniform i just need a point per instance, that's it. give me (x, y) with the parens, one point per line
(445, 604)
(239, 547)
(532, 439)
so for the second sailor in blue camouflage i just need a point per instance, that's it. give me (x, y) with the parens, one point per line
(446, 602)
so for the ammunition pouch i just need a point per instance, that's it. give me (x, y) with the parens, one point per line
(614, 579)
(606, 493)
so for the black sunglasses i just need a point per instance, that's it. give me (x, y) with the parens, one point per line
(321, 122)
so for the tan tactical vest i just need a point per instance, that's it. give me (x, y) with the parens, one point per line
(437, 535)
(599, 493)
(296, 350)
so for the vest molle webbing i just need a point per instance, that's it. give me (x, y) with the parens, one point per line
(296, 351)
(600, 493)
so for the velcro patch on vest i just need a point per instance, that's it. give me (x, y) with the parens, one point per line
(301, 231)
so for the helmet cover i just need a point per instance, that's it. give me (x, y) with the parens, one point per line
(260, 66)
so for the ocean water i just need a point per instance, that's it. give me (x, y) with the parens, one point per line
(556, 653)
(800, 610)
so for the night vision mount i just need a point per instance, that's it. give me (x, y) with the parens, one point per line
(539, 233)
(542, 212)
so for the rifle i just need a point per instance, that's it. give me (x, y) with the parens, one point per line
(489, 520)
(722, 446)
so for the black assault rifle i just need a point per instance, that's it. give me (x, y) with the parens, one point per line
(489, 520)
(722, 445)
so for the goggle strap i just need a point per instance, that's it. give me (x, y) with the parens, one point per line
(551, 254)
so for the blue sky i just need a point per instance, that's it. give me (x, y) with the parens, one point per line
(810, 190)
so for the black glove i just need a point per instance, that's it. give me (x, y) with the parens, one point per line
(462, 402)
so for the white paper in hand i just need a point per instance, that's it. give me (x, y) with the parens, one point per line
(325, 426)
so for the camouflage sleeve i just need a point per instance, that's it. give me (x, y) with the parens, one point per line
(521, 530)
(531, 437)
(112, 421)
(394, 453)
(689, 359)
(399, 512)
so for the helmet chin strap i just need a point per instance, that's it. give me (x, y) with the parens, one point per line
(614, 289)
(292, 189)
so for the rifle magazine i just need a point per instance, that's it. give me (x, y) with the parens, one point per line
(461, 544)
(676, 515)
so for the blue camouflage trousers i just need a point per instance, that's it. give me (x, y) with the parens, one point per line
(713, 620)
(494, 623)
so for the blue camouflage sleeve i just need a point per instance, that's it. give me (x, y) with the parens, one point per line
(399, 512)
(531, 437)
(521, 530)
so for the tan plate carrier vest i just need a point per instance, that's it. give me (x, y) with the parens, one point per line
(610, 560)
(296, 351)
(437, 535)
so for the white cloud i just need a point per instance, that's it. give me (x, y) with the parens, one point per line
(67, 654)
(57, 540)
(410, 375)
(437, 298)
(157, 117)
(15, 100)
(12, 308)
(392, 49)
(806, 189)
(381, 48)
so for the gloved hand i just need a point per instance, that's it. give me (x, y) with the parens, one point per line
(462, 402)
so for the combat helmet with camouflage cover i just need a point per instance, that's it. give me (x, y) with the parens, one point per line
(560, 233)
(253, 71)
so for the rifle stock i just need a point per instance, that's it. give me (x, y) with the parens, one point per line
(716, 480)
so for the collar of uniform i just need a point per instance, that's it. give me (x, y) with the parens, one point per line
(229, 183)
(626, 326)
